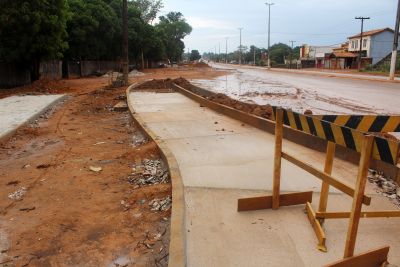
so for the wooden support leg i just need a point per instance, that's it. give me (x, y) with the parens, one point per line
(323, 200)
(277, 158)
(317, 228)
(366, 151)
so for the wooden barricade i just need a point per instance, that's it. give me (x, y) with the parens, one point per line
(372, 258)
(369, 146)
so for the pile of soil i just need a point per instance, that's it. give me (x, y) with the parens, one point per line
(182, 82)
(201, 65)
(156, 84)
(264, 111)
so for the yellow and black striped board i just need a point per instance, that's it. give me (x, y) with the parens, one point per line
(365, 123)
(384, 149)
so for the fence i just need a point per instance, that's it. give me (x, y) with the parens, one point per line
(84, 68)
(13, 75)
(51, 70)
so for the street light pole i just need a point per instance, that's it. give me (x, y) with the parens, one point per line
(219, 52)
(226, 50)
(240, 46)
(291, 52)
(395, 44)
(269, 31)
(361, 37)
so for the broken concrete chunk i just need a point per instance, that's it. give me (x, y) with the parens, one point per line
(121, 106)
(17, 195)
(95, 168)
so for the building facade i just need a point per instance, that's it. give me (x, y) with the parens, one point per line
(376, 44)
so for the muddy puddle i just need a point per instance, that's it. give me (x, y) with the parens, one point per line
(252, 88)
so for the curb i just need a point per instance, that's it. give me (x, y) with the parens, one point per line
(177, 243)
(5, 137)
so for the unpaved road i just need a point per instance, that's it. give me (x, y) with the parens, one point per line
(70, 215)
(322, 95)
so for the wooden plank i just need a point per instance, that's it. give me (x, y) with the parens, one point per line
(351, 238)
(372, 258)
(317, 228)
(364, 214)
(265, 202)
(345, 188)
(330, 154)
(277, 159)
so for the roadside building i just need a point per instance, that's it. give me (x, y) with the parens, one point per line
(341, 58)
(312, 56)
(376, 45)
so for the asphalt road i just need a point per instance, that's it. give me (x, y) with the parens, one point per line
(301, 91)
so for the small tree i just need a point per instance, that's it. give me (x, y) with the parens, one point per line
(172, 28)
(195, 55)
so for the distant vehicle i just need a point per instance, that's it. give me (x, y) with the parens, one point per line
(233, 62)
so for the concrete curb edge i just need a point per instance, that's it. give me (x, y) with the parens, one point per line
(9, 134)
(177, 243)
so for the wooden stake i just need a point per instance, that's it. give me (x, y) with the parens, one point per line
(330, 154)
(351, 238)
(277, 158)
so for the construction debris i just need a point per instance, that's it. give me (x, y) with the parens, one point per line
(153, 172)
(95, 169)
(386, 185)
(135, 73)
(121, 106)
(17, 195)
(161, 204)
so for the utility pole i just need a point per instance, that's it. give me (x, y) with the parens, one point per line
(254, 55)
(240, 46)
(291, 52)
(269, 31)
(125, 57)
(226, 50)
(361, 37)
(395, 44)
(219, 51)
(215, 50)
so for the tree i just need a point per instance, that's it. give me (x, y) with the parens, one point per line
(32, 31)
(194, 55)
(278, 52)
(93, 28)
(172, 28)
(148, 9)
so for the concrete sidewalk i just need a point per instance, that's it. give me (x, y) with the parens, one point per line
(221, 160)
(18, 110)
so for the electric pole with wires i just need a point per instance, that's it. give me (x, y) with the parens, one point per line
(361, 38)
(291, 53)
(395, 44)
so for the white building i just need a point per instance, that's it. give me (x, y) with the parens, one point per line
(376, 44)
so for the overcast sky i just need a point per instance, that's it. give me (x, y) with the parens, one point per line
(316, 22)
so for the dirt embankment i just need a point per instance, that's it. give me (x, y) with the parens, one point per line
(264, 111)
(82, 186)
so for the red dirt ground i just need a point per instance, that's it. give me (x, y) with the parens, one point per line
(70, 215)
